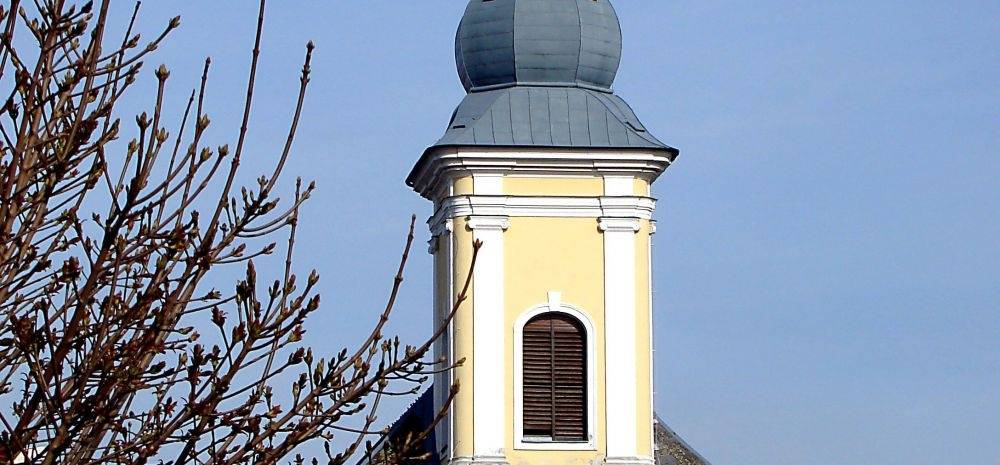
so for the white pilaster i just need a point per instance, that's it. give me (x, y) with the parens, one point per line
(441, 246)
(620, 336)
(489, 340)
(652, 340)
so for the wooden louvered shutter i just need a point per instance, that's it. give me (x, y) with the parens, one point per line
(537, 378)
(554, 379)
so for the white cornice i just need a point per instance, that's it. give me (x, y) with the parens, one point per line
(541, 206)
(448, 162)
(619, 224)
(488, 223)
(480, 460)
(442, 228)
(629, 461)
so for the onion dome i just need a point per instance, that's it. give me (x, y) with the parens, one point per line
(538, 74)
(555, 43)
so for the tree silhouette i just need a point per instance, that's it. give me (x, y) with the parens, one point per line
(120, 344)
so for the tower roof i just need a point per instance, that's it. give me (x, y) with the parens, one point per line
(538, 75)
(575, 43)
(547, 117)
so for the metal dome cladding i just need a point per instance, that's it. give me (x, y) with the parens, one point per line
(570, 43)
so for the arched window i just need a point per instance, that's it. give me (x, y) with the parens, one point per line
(554, 379)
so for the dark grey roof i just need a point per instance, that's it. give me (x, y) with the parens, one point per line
(539, 74)
(547, 116)
(547, 42)
(415, 420)
(671, 449)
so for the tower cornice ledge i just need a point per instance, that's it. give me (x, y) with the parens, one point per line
(480, 460)
(631, 225)
(629, 461)
(488, 223)
(442, 163)
(541, 207)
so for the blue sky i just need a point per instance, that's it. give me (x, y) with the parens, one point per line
(827, 259)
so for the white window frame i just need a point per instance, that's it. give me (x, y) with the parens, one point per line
(554, 306)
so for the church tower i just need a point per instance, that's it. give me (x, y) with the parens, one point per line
(551, 170)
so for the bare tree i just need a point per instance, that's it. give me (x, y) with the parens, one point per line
(109, 272)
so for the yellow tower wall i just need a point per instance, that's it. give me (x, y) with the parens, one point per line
(562, 254)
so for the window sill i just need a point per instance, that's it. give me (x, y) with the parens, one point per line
(544, 444)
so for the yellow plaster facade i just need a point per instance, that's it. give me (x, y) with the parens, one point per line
(563, 255)
(551, 172)
(545, 249)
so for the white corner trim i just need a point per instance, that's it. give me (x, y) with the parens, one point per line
(450, 346)
(620, 335)
(489, 337)
(619, 225)
(650, 334)
(619, 185)
(554, 305)
(443, 228)
(439, 230)
(444, 347)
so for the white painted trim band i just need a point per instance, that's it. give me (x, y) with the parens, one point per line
(620, 335)
(629, 461)
(488, 223)
(480, 459)
(489, 337)
(447, 163)
(628, 225)
(542, 206)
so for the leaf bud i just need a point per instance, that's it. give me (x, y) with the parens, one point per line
(162, 73)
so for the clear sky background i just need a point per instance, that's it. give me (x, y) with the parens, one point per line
(828, 261)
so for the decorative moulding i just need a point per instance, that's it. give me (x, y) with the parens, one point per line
(443, 164)
(619, 225)
(548, 207)
(488, 223)
(480, 460)
(629, 461)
